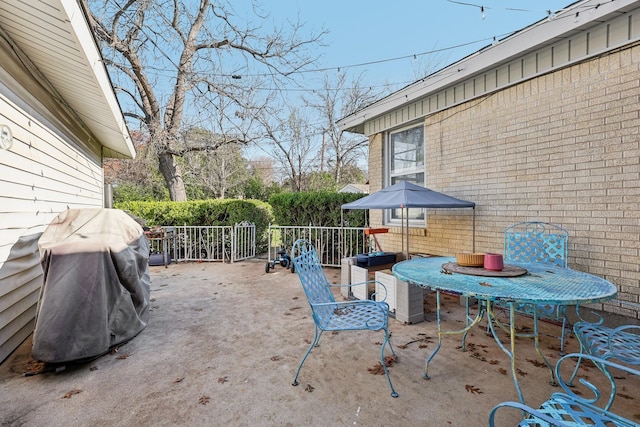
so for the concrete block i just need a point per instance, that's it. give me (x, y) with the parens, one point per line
(345, 275)
(389, 282)
(409, 303)
(359, 275)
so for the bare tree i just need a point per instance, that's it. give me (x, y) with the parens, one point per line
(338, 98)
(172, 58)
(220, 171)
(292, 147)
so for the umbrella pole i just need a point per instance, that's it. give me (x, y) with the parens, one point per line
(343, 245)
(474, 230)
(402, 230)
(407, 224)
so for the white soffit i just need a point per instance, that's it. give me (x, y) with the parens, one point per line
(535, 36)
(55, 36)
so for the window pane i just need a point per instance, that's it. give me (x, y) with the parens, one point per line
(405, 162)
(407, 149)
(414, 213)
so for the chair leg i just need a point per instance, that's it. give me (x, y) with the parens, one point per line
(604, 370)
(575, 370)
(316, 339)
(384, 365)
(391, 347)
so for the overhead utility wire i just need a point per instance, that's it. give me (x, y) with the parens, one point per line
(363, 64)
(438, 76)
(374, 62)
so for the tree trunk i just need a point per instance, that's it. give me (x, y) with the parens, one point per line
(172, 174)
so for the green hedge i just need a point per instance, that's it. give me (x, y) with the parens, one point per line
(204, 212)
(317, 208)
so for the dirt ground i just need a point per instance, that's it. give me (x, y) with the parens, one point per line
(222, 346)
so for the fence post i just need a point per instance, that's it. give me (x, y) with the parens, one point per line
(234, 235)
(269, 243)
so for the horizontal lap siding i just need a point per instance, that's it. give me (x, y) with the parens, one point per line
(42, 175)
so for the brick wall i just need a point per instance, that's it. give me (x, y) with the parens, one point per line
(562, 148)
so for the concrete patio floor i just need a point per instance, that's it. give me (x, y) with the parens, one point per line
(222, 346)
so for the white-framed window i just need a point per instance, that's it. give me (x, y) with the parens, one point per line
(404, 160)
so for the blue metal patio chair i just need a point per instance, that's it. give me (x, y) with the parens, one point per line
(536, 242)
(329, 315)
(621, 344)
(573, 406)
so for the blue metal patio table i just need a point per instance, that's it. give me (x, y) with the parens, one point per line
(542, 284)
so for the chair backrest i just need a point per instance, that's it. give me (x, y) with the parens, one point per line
(536, 242)
(307, 264)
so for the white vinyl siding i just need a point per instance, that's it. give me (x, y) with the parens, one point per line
(43, 174)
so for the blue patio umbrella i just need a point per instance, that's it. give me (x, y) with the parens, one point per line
(404, 195)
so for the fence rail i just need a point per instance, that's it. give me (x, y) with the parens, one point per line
(331, 243)
(206, 243)
(238, 242)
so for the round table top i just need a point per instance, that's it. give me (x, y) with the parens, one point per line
(543, 284)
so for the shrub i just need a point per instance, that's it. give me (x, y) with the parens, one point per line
(204, 213)
(318, 208)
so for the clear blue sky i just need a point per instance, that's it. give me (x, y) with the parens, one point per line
(367, 31)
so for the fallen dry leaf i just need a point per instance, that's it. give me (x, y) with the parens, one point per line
(178, 380)
(275, 358)
(309, 388)
(34, 367)
(204, 400)
(93, 368)
(295, 308)
(536, 363)
(70, 393)
(389, 360)
(502, 371)
(477, 356)
(472, 389)
(377, 369)
(223, 380)
(424, 340)
(123, 356)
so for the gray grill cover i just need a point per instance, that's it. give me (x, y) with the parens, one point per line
(95, 293)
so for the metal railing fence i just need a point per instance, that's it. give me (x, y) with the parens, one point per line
(238, 242)
(331, 243)
(207, 243)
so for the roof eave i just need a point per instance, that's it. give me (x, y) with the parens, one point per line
(116, 139)
(537, 35)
